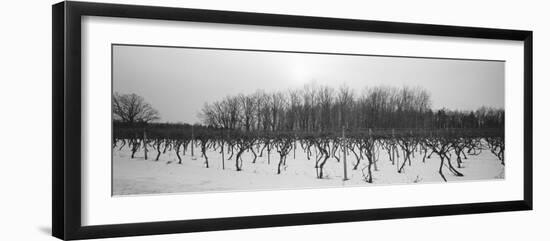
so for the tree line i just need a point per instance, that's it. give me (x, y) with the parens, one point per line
(319, 108)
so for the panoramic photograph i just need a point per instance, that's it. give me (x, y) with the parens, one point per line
(198, 120)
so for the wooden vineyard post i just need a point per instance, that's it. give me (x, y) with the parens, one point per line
(145, 143)
(268, 154)
(193, 143)
(373, 150)
(294, 149)
(223, 157)
(223, 161)
(393, 150)
(344, 152)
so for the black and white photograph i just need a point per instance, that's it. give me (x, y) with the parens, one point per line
(275, 120)
(193, 120)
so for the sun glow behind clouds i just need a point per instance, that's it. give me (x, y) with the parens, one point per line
(306, 69)
(300, 70)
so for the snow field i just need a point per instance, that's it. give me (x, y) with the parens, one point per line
(140, 176)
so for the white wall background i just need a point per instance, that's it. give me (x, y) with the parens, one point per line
(25, 123)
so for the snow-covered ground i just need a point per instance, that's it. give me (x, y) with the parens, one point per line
(140, 176)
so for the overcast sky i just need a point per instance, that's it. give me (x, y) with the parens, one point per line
(178, 81)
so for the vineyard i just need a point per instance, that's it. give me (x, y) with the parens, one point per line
(305, 138)
(353, 150)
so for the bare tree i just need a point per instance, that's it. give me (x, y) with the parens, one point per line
(309, 98)
(265, 110)
(278, 104)
(132, 108)
(233, 109)
(325, 100)
(248, 105)
(294, 110)
(345, 102)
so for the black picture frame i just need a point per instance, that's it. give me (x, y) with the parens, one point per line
(66, 127)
